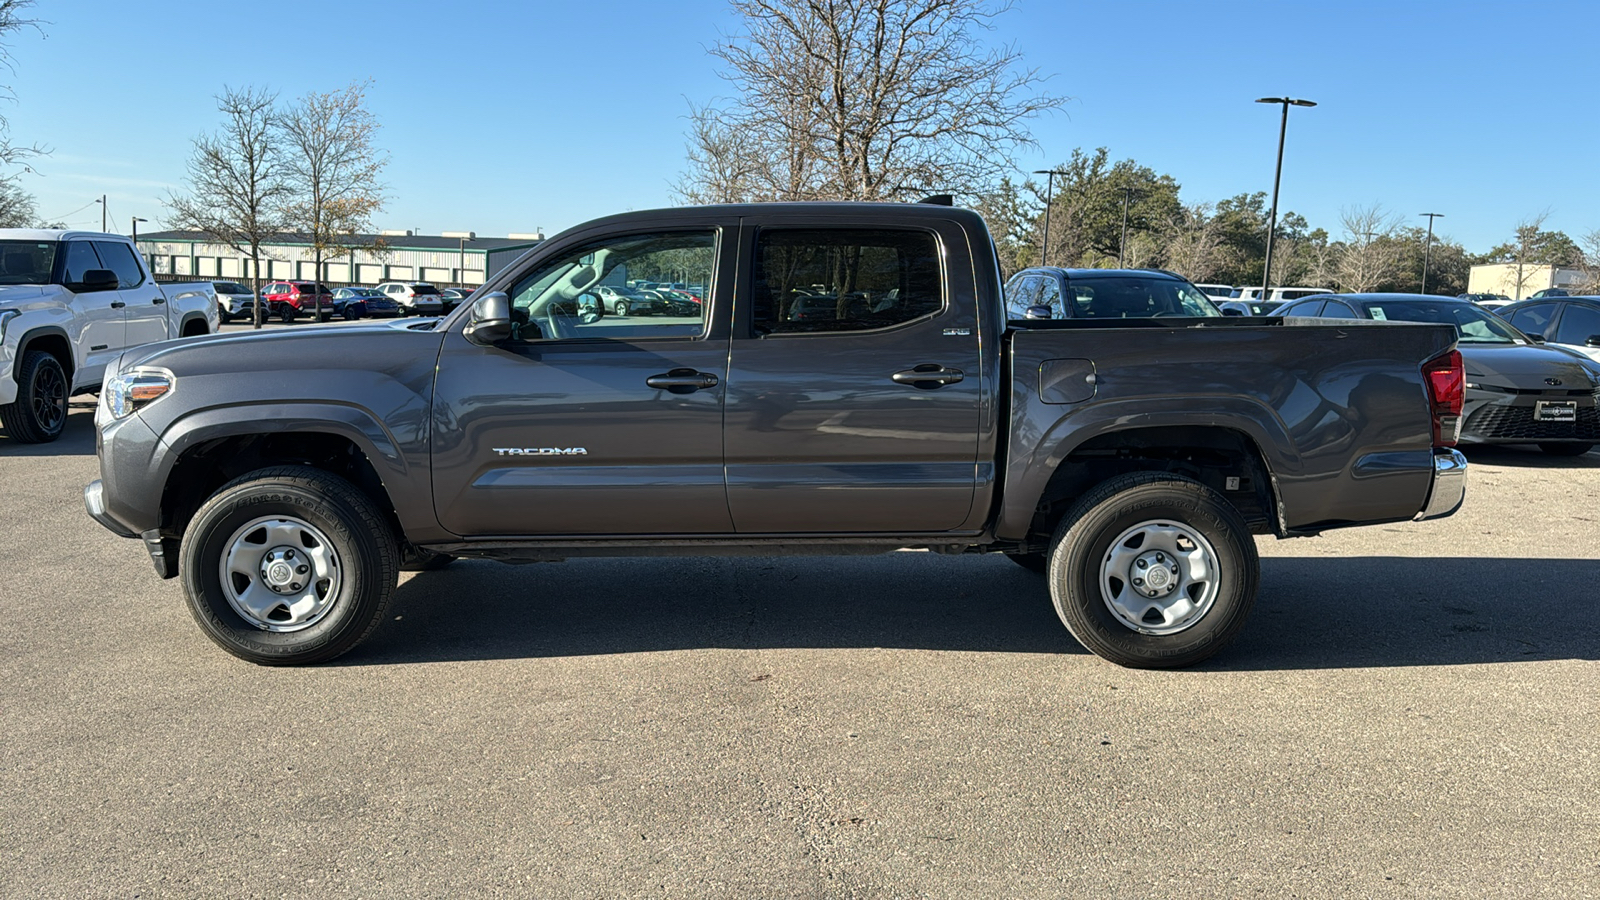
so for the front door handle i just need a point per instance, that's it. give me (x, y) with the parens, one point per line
(117, 304)
(928, 376)
(159, 300)
(682, 381)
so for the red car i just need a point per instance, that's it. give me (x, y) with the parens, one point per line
(288, 299)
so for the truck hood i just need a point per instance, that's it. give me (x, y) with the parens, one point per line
(11, 294)
(1527, 367)
(282, 351)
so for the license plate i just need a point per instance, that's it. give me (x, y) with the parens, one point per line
(1556, 410)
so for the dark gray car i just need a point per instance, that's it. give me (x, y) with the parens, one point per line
(852, 383)
(1518, 390)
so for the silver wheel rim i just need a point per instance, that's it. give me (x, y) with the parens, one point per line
(1159, 577)
(280, 573)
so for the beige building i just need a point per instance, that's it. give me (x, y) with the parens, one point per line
(1503, 278)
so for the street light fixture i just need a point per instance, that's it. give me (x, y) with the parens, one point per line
(1427, 248)
(102, 202)
(1050, 181)
(1272, 223)
(136, 221)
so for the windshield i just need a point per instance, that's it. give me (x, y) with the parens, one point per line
(229, 287)
(1124, 297)
(1473, 325)
(424, 289)
(26, 262)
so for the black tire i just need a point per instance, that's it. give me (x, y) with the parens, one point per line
(40, 411)
(1565, 449)
(356, 531)
(287, 314)
(1083, 542)
(350, 314)
(426, 561)
(1037, 563)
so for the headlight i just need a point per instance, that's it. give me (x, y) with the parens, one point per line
(128, 392)
(6, 315)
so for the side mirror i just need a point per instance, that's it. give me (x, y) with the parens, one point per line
(1230, 311)
(1593, 341)
(96, 280)
(490, 322)
(1038, 312)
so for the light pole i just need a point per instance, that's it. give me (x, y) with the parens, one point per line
(461, 274)
(1049, 186)
(1272, 223)
(102, 202)
(1427, 248)
(1127, 194)
(136, 221)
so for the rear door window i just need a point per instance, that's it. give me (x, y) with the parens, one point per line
(1336, 309)
(1578, 324)
(809, 280)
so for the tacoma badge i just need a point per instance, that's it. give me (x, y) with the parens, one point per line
(541, 451)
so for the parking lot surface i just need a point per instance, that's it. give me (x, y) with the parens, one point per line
(1411, 711)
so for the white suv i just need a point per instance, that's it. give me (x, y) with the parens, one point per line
(417, 298)
(1280, 294)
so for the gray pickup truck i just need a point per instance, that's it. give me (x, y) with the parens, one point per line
(836, 379)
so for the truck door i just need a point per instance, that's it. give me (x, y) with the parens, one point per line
(100, 321)
(146, 310)
(854, 384)
(588, 422)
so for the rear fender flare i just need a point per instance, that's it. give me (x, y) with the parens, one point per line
(1256, 422)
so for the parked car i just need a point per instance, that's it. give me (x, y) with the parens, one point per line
(1050, 292)
(1217, 292)
(71, 302)
(683, 303)
(373, 301)
(1571, 323)
(414, 297)
(1248, 307)
(1132, 459)
(625, 301)
(1279, 294)
(234, 301)
(1547, 292)
(1518, 391)
(453, 297)
(1487, 301)
(288, 300)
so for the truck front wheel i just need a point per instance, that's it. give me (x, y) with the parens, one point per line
(40, 410)
(289, 566)
(1153, 571)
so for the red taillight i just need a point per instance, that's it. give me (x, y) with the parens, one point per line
(1447, 387)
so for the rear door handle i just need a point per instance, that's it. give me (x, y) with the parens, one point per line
(928, 376)
(682, 381)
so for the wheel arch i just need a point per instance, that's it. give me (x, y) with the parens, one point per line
(1210, 451)
(51, 338)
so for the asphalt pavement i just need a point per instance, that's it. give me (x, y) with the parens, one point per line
(1410, 712)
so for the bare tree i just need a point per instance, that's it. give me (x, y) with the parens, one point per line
(1589, 261)
(862, 100)
(1194, 243)
(1370, 256)
(332, 164)
(1527, 233)
(17, 208)
(13, 18)
(238, 185)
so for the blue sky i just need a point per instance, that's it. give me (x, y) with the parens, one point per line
(512, 116)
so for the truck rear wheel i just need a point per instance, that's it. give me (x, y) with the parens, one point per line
(1153, 571)
(40, 411)
(289, 566)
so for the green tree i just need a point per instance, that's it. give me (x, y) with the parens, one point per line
(1086, 207)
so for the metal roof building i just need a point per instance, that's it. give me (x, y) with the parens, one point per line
(454, 258)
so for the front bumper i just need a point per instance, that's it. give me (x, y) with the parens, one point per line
(1449, 485)
(1500, 418)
